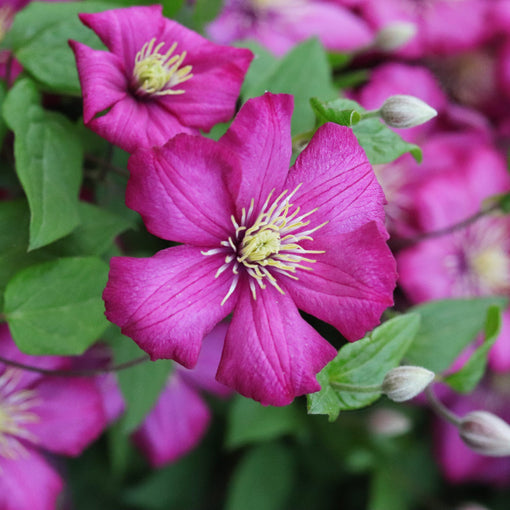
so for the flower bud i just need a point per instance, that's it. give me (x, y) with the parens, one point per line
(485, 433)
(388, 422)
(401, 111)
(405, 382)
(394, 36)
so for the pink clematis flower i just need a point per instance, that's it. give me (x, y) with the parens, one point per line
(38, 413)
(259, 241)
(180, 418)
(444, 27)
(158, 79)
(473, 261)
(281, 24)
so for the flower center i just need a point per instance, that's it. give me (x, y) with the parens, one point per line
(492, 268)
(156, 73)
(15, 415)
(268, 246)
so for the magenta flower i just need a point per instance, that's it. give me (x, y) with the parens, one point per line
(443, 27)
(473, 261)
(259, 241)
(38, 413)
(181, 417)
(281, 24)
(158, 79)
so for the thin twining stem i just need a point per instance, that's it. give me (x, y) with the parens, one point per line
(107, 165)
(403, 243)
(77, 372)
(440, 409)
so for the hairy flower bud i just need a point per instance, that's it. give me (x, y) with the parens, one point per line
(389, 422)
(405, 382)
(394, 36)
(485, 433)
(402, 111)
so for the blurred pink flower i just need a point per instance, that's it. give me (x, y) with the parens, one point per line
(260, 241)
(181, 417)
(281, 24)
(38, 413)
(443, 27)
(158, 79)
(472, 261)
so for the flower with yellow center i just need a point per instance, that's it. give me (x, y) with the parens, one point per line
(157, 73)
(259, 240)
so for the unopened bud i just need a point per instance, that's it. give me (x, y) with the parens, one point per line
(402, 111)
(405, 382)
(485, 433)
(471, 506)
(388, 422)
(394, 36)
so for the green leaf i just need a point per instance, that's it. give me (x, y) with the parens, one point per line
(466, 379)
(381, 144)
(49, 156)
(95, 235)
(447, 327)
(304, 72)
(205, 11)
(340, 111)
(363, 364)
(3, 126)
(39, 38)
(262, 480)
(251, 422)
(55, 307)
(141, 384)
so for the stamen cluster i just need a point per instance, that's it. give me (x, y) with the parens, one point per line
(156, 73)
(270, 244)
(15, 414)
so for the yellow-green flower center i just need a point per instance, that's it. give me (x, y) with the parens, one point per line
(492, 266)
(268, 245)
(156, 73)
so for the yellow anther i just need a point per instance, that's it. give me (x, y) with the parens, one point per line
(157, 73)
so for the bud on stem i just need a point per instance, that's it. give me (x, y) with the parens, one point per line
(402, 111)
(485, 433)
(405, 382)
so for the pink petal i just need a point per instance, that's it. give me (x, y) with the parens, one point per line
(260, 137)
(336, 178)
(175, 425)
(499, 356)
(271, 354)
(70, 415)
(169, 302)
(351, 284)
(131, 124)
(336, 27)
(181, 192)
(204, 373)
(28, 482)
(124, 31)
(102, 79)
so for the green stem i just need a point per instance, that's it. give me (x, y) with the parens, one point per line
(354, 388)
(370, 114)
(439, 408)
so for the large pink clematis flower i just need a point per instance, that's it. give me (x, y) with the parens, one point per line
(259, 241)
(158, 79)
(38, 413)
(472, 261)
(180, 418)
(281, 24)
